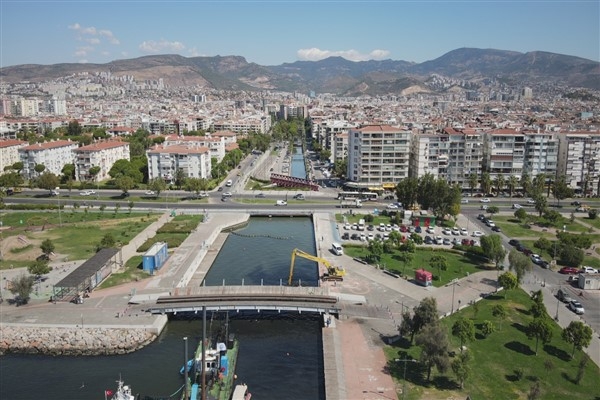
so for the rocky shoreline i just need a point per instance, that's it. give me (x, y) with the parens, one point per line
(73, 341)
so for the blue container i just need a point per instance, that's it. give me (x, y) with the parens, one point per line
(225, 365)
(155, 257)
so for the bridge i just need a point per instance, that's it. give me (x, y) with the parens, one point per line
(248, 298)
(293, 182)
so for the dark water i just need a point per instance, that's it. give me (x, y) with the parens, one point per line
(297, 164)
(279, 358)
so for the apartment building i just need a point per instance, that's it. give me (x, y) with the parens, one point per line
(53, 155)
(164, 161)
(504, 153)
(378, 156)
(541, 154)
(340, 147)
(9, 152)
(216, 145)
(579, 160)
(326, 131)
(429, 155)
(258, 124)
(101, 154)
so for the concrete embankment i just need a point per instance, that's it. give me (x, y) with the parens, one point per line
(73, 341)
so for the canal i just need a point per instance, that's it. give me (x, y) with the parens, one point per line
(279, 357)
(298, 164)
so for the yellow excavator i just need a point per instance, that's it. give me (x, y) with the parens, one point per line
(332, 274)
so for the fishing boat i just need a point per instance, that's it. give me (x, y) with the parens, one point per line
(123, 392)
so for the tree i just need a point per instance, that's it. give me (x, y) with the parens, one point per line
(47, 181)
(130, 204)
(486, 183)
(508, 281)
(157, 185)
(511, 184)
(526, 183)
(538, 309)
(107, 241)
(39, 168)
(433, 341)
(464, 330)
(94, 171)
(424, 314)
(561, 189)
(521, 214)
(541, 203)
(461, 368)
(74, 129)
(426, 191)
(499, 311)
(22, 286)
(440, 263)
(493, 210)
(124, 183)
(578, 334)
(375, 249)
(540, 329)
(571, 255)
(487, 327)
(519, 263)
(499, 183)
(406, 192)
(39, 267)
(473, 182)
(47, 247)
(405, 258)
(68, 171)
(493, 249)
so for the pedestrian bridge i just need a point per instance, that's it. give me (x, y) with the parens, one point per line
(248, 298)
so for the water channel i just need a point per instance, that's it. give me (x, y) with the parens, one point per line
(298, 165)
(279, 358)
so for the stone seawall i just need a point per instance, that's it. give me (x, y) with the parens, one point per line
(73, 341)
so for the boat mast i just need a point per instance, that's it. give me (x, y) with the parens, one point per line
(203, 352)
(185, 368)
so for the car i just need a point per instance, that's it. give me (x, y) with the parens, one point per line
(576, 203)
(589, 270)
(484, 200)
(490, 223)
(456, 241)
(496, 229)
(84, 193)
(514, 242)
(447, 241)
(418, 229)
(430, 230)
(544, 264)
(477, 234)
(125, 194)
(392, 206)
(456, 232)
(227, 194)
(464, 232)
(582, 208)
(149, 193)
(480, 217)
(354, 236)
(439, 240)
(220, 189)
(568, 270)
(447, 231)
(370, 227)
(428, 240)
(381, 227)
(530, 201)
(464, 201)
(483, 207)
(576, 307)
(516, 206)
(281, 203)
(563, 296)
(345, 236)
(535, 258)
(260, 196)
(299, 196)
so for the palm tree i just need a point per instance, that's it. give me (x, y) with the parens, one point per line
(512, 183)
(486, 183)
(473, 182)
(499, 183)
(526, 183)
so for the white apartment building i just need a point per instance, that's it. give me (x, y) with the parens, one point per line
(429, 155)
(254, 123)
(325, 132)
(541, 154)
(216, 145)
(340, 147)
(505, 153)
(378, 156)
(579, 160)
(164, 161)
(9, 152)
(54, 155)
(103, 155)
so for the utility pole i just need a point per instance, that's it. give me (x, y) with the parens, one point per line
(405, 360)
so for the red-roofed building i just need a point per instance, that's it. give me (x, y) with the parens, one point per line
(101, 154)
(164, 161)
(216, 145)
(53, 155)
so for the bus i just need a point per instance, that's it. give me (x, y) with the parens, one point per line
(358, 195)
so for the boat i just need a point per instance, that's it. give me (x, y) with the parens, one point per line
(241, 392)
(123, 392)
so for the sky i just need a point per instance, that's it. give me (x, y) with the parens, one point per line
(273, 32)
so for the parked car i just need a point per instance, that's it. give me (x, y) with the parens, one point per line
(568, 270)
(480, 217)
(354, 236)
(477, 234)
(447, 241)
(446, 231)
(483, 207)
(456, 232)
(496, 229)
(392, 206)
(576, 307)
(430, 230)
(149, 193)
(418, 229)
(260, 196)
(514, 242)
(589, 270)
(563, 296)
(464, 232)
(346, 236)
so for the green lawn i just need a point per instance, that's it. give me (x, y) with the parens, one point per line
(496, 358)
(586, 220)
(132, 272)
(515, 229)
(459, 264)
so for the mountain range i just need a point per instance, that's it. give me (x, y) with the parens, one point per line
(335, 74)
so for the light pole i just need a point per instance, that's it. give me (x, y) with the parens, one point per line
(557, 305)
(454, 283)
(404, 360)
(58, 199)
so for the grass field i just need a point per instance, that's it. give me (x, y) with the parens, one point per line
(133, 271)
(497, 359)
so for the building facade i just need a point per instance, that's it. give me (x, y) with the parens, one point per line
(9, 152)
(53, 155)
(164, 161)
(103, 155)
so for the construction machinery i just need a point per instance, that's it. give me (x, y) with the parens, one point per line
(332, 274)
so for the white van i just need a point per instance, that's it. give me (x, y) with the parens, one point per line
(229, 183)
(337, 249)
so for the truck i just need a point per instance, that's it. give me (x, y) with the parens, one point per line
(349, 203)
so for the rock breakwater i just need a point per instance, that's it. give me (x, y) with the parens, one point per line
(72, 341)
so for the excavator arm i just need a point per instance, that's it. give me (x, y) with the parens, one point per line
(332, 271)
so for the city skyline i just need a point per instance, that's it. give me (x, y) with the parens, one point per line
(277, 32)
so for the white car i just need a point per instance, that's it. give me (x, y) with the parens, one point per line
(477, 234)
(430, 230)
(447, 231)
(149, 193)
(84, 193)
(281, 203)
(464, 201)
(490, 223)
(576, 307)
(392, 206)
(464, 232)
(484, 200)
(456, 232)
(516, 206)
(589, 270)
(530, 201)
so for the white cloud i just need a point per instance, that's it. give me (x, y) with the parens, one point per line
(93, 40)
(83, 51)
(92, 34)
(151, 46)
(315, 54)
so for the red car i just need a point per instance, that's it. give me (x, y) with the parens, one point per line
(568, 270)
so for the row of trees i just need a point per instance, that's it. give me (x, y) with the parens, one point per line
(430, 193)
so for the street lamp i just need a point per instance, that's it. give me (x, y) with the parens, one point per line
(58, 199)
(454, 283)
(404, 360)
